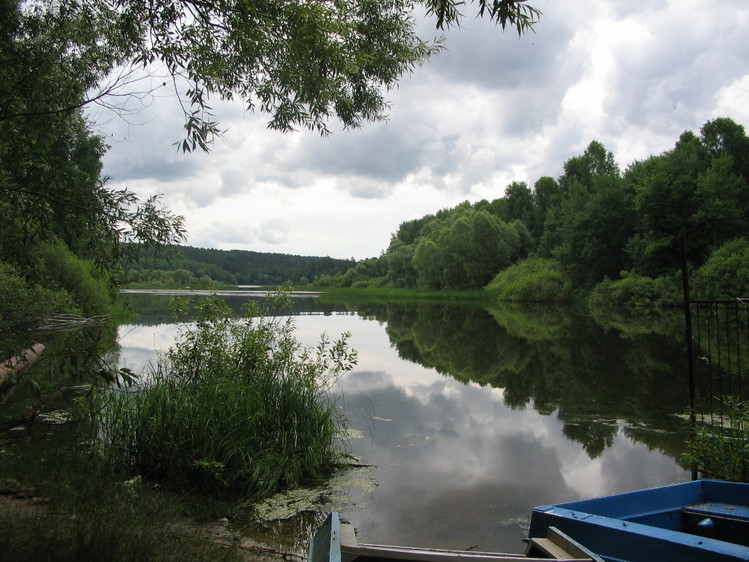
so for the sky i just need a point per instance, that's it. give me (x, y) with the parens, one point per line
(491, 109)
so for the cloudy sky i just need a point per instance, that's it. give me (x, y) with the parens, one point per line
(491, 109)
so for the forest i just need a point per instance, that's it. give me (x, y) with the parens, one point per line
(206, 267)
(596, 231)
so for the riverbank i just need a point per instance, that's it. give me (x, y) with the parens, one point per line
(54, 497)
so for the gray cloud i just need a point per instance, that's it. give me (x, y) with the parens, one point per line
(491, 109)
(480, 53)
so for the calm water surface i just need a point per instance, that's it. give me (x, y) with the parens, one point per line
(472, 417)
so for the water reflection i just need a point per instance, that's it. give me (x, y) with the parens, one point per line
(472, 417)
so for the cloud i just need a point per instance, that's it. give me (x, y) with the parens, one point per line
(491, 109)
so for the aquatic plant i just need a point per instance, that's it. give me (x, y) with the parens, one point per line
(721, 450)
(237, 406)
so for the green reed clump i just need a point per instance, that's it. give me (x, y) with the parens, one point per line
(236, 406)
(722, 451)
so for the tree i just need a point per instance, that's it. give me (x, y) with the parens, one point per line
(519, 202)
(514, 12)
(50, 160)
(595, 233)
(667, 199)
(427, 262)
(564, 201)
(725, 137)
(302, 62)
(579, 171)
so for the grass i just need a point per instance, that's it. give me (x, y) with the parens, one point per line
(391, 294)
(76, 511)
(237, 408)
(722, 451)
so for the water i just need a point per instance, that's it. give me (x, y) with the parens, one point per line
(472, 417)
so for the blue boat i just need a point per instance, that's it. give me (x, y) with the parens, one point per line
(336, 542)
(699, 521)
(703, 520)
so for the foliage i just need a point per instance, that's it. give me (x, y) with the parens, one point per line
(52, 56)
(303, 63)
(723, 451)
(23, 306)
(58, 268)
(636, 291)
(515, 12)
(597, 224)
(77, 511)
(531, 280)
(234, 267)
(725, 274)
(235, 406)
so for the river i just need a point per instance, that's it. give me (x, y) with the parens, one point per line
(473, 416)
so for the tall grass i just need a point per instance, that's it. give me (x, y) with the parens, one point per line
(76, 510)
(722, 451)
(235, 407)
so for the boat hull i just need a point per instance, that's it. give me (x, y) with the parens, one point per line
(704, 520)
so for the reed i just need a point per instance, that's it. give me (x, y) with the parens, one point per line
(721, 450)
(236, 407)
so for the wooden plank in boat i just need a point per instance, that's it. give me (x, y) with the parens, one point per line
(557, 545)
(351, 550)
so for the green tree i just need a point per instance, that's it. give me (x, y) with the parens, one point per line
(588, 220)
(303, 63)
(401, 272)
(427, 262)
(580, 171)
(596, 231)
(722, 193)
(725, 137)
(667, 200)
(546, 194)
(725, 275)
(519, 204)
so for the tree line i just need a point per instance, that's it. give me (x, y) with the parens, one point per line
(596, 230)
(205, 266)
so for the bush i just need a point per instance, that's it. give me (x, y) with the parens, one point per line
(531, 280)
(725, 275)
(637, 292)
(236, 406)
(23, 306)
(60, 269)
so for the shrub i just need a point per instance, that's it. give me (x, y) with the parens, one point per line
(531, 280)
(236, 406)
(636, 291)
(23, 306)
(725, 275)
(62, 270)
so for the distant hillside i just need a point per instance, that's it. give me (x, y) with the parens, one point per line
(237, 267)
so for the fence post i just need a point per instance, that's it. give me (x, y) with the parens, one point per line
(688, 337)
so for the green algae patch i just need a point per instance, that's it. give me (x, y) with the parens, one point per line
(333, 495)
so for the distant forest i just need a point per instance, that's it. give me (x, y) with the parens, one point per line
(200, 267)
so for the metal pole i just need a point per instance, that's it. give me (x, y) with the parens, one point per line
(688, 336)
